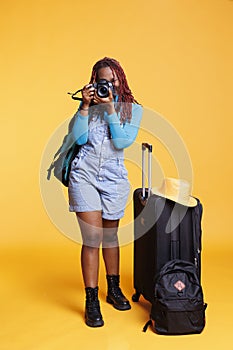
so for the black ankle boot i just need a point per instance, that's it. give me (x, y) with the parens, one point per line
(93, 315)
(115, 295)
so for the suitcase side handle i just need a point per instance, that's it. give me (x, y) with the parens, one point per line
(146, 146)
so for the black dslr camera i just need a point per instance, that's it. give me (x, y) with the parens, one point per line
(102, 88)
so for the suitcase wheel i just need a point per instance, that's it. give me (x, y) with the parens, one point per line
(136, 297)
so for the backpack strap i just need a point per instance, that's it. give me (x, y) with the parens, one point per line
(148, 323)
(196, 218)
(49, 170)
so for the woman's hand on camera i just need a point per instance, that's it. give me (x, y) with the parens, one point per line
(87, 95)
(108, 101)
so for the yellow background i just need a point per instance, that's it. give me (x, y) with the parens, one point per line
(178, 56)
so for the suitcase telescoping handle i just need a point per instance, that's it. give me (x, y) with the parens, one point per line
(146, 146)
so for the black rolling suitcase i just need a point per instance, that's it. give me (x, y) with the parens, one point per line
(163, 231)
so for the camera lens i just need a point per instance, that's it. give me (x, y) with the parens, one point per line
(102, 91)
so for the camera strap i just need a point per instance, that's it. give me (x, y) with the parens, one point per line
(73, 95)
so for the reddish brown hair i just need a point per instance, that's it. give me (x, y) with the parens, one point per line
(124, 92)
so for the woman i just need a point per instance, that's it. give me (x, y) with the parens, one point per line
(98, 184)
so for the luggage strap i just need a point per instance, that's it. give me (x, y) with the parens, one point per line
(149, 148)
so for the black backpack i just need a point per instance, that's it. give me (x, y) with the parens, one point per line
(178, 307)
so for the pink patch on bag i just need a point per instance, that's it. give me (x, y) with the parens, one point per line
(179, 285)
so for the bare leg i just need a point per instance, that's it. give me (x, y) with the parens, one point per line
(111, 259)
(92, 235)
(110, 247)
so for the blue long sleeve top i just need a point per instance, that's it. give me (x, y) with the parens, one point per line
(123, 135)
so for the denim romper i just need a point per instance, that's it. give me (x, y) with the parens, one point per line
(98, 177)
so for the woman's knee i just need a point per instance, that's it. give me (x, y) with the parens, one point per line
(91, 228)
(92, 239)
(110, 233)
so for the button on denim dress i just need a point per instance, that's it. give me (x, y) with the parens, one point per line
(98, 177)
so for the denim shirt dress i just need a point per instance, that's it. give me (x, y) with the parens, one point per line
(98, 177)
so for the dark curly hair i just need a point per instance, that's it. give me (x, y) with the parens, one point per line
(124, 93)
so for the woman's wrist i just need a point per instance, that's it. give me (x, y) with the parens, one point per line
(84, 106)
(83, 109)
(110, 108)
